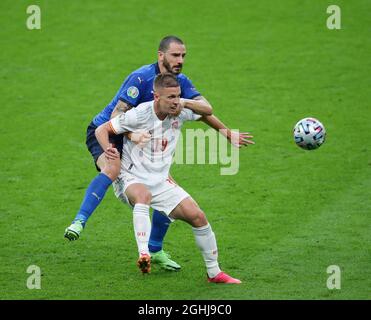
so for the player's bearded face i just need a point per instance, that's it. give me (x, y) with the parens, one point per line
(173, 58)
(172, 68)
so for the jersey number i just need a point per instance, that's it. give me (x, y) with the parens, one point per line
(159, 145)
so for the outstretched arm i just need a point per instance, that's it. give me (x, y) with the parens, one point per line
(202, 107)
(198, 105)
(238, 139)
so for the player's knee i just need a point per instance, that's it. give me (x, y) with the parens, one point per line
(143, 197)
(198, 219)
(112, 169)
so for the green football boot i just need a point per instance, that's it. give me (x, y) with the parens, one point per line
(163, 260)
(73, 231)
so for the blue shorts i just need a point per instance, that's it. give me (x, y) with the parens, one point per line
(94, 147)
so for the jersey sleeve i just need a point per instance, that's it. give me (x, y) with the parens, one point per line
(188, 89)
(131, 91)
(125, 122)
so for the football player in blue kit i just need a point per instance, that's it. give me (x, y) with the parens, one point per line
(138, 88)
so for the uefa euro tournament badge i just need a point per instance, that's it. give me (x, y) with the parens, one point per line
(132, 92)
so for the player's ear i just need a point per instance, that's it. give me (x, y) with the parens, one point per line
(156, 96)
(160, 55)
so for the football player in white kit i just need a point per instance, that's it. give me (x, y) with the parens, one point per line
(144, 178)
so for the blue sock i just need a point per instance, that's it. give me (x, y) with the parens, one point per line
(160, 224)
(93, 196)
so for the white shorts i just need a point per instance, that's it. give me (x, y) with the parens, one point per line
(165, 196)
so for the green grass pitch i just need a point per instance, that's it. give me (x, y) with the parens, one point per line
(280, 222)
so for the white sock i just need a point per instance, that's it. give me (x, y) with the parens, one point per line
(205, 240)
(142, 227)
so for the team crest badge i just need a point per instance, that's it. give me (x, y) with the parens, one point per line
(175, 125)
(132, 92)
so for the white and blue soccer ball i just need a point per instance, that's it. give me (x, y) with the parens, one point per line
(309, 133)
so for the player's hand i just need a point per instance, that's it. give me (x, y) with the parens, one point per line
(141, 138)
(111, 153)
(240, 139)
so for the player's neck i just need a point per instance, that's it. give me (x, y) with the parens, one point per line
(160, 115)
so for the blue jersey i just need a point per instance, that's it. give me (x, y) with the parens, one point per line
(138, 88)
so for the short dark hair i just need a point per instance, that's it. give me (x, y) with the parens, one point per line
(165, 80)
(165, 42)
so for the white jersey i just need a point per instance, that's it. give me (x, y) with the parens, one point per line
(150, 164)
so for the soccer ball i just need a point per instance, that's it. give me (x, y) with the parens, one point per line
(309, 133)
